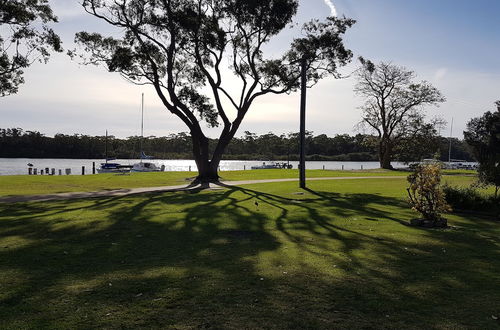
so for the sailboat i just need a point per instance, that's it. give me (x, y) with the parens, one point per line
(457, 164)
(143, 166)
(108, 167)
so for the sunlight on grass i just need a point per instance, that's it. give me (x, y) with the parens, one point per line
(33, 185)
(337, 255)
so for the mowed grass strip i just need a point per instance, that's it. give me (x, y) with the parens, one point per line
(337, 255)
(35, 185)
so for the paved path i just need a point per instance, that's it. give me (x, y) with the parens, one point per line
(131, 191)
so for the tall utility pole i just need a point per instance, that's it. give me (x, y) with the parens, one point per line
(303, 89)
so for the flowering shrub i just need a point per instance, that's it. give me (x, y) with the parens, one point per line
(425, 193)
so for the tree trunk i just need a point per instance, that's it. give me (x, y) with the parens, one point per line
(385, 154)
(206, 172)
(208, 168)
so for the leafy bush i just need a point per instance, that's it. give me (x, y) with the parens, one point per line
(483, 136)
(425, 193)
(470, 198)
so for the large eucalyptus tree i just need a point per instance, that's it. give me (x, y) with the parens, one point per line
(25, 37)
(186, 48)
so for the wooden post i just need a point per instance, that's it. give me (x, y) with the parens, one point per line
(303, 89)
(83, 170)
(93, 167)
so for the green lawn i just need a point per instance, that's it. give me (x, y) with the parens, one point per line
(42, 184)
(337, 256)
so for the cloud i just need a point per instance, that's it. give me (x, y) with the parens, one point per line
(66, 10)
(440, 74)
(333, 10)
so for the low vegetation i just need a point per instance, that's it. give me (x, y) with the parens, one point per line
(35, 185)
(338, 255)
(470, 198)
(426, 195)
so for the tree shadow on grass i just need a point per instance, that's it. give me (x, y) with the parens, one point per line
(236, 258)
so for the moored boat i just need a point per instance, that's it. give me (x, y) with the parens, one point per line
(265, 166)
(107, 167)
(145, 166)
(113, 168)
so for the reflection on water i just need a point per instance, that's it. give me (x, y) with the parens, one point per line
(19, 166)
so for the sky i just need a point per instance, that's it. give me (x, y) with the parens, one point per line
(453, 44)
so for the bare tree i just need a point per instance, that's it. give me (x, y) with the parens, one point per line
(393, 103)
(180, 47)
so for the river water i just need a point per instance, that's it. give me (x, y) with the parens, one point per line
(19, 166)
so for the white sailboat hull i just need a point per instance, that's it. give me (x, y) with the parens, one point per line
(147, 167)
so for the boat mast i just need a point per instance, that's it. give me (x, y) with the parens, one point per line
(106, 147)
(142, 123)
(451, 134)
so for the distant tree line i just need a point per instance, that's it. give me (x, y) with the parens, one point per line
(17, 143)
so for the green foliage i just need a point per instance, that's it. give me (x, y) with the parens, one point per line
(14, 142)
(322, 48)
(425, 193)
(25, 37)
(470, 198)
(459, 149)
(421, 141)
(483, 135)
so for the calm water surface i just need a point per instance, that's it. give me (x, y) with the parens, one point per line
(19, 166)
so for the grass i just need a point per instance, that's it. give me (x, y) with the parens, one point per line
(42, 184)
(34, 185)
(337, 255)
(460, 172)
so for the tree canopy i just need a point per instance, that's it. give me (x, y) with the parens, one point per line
(394, 104)
(17, 143)
(25, 37)
(420, 141)
(483, 135)
(184, 48)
